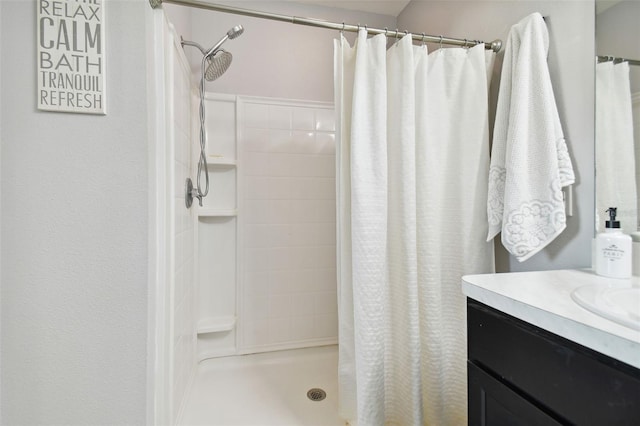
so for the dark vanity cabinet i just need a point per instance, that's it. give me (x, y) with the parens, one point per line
(519, 374)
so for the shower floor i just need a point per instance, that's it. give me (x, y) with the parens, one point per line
(265, 389)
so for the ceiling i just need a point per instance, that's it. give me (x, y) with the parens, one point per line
(382, 7)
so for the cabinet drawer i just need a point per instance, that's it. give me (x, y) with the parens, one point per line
(578, 384)
(492, 403)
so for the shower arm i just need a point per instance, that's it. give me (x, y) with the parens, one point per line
(184, 42)
(206, 53)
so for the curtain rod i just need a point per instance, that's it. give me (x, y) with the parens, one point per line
(495, 45)
(617, 60)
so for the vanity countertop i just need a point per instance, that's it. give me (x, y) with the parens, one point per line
(543, 298)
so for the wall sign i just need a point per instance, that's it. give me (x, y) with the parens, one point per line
(71, 56)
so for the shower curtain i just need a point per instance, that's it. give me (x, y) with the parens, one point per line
(615, 152)
(413, 157)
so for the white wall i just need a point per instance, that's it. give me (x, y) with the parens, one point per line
(74, 234)
(571, 26)
(180, 18)
(276, 59)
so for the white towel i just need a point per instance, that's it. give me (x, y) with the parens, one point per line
(529, 159)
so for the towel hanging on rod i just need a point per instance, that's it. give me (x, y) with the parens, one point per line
(495, 45)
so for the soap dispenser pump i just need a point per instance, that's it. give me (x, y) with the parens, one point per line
(613, 249)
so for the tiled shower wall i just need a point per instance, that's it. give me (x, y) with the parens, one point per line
(182, 112)
(287, 211)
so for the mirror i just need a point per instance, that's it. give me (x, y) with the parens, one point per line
(618, 112)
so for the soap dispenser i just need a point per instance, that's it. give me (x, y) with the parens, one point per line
(613, 249)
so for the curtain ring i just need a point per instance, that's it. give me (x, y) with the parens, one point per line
(406, 33)
(386, 30)
(423, 36)
(397, 34)
(441, 42)
(342, 30)
(366, 30)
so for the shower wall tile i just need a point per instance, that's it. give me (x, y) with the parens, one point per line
(257, 308)
(303, 142)
(279, 164)
(255, 116)
(280, 141)
(303, 304)
(255, 163)
(326, 143)
(287, 157)
(303, 119)
(326, 326)
(280, 330)
(257, 139)
(182, 225)
(280, 117)
(302, 327)
(256, 332)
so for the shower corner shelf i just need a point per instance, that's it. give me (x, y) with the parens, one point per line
(216, 160)
(217, 212)
(216, 324)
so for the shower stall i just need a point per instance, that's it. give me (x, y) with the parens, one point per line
(251, 264)
(266, 233)
(254, 297)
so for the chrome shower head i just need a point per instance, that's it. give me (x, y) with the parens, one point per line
(216, 60)
(230, 35)
(235, 32)
(218, 63)
(219, 59)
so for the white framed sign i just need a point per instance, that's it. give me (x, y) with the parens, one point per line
(71, 56)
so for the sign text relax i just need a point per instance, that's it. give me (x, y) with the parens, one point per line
(71, 56)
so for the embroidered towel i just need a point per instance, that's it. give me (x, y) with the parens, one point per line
(529, 159)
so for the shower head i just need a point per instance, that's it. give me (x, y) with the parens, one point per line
(218, 64)
(216, 60)
(230, 35)
(219, 59)
(235, 32)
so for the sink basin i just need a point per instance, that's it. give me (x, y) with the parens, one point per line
(618, 303)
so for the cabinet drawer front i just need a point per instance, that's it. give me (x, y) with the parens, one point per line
(575, 382)
(492, 403)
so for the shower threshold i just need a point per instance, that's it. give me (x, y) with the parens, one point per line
(266, 389)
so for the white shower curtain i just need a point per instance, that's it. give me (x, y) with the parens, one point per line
(413, 157)
(615, 152)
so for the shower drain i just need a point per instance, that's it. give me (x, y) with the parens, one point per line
(316, 394)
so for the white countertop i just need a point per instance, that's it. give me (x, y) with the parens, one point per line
(543, 298)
